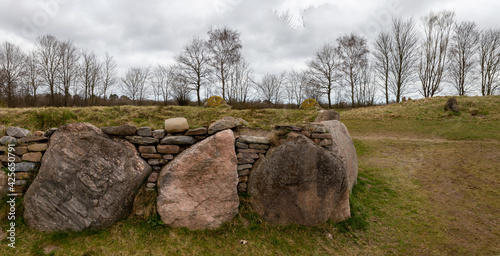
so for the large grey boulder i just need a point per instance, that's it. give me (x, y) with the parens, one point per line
(452, 105)
(342, 145)
(86, 180)
(198, 189)
(301, 183)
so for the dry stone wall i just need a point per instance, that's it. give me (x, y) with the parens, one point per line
(28, 151)
(160, 148)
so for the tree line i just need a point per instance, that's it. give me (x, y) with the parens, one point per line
(444, 52)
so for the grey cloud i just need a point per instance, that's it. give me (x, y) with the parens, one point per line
(142, 33)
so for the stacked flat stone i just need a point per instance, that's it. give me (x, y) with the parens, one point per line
(249, 150)
(160, 146)
(28, 152)
(317, 132)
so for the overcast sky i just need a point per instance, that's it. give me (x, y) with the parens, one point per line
(143, 33)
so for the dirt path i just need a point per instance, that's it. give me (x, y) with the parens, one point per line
(460, 180)
(417, 139)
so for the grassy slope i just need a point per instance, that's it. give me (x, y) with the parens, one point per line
(428, 185)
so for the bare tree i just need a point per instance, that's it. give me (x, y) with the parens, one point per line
(69, 68)
(404, 56)
(12, 64)
(353, 56)
(239, 82)
(224, 45)
(322, 67)
(3, 82)
(162, 79)
(134, 83)
(381, 65)
(270, 88)
(463, 58)
(296, 84)
(181, 89)
(365, 95)
(489, 61)
(433, 51)
(49, 57)
(32, 78)
(108, 75)
(90, 76)
(194, 65)
(158, 80)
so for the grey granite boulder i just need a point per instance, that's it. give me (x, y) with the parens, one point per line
(86, 180)
(301, 183)
(343, 146)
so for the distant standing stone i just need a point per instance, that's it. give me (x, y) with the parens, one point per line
(17, 132)
(451, 105)
(176, 125)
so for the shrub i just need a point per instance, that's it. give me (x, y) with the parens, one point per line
(48, 118)
(215, 101)
(309, 104)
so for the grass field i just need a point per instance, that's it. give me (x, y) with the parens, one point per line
(428, 184)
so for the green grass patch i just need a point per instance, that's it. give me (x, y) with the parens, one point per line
(418, 165)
